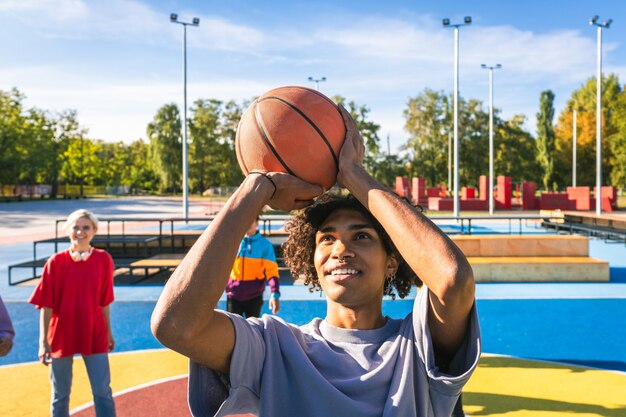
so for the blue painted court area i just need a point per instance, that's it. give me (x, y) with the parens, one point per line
(589, 332)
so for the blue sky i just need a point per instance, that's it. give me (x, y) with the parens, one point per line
(116, 62)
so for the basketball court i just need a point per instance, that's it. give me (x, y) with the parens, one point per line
(550, 349)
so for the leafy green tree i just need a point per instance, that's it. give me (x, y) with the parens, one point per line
(213, 130)
(429, 121)
(38, 153)
(617, 175)
(12, 128)
(205, 151)
(514, 150)
(165, 137)
(474, 141)
(369, 132)
(80, 162)
(139, 174)
(584, 100)
(545, 137)
(429, 124)
(229, 120)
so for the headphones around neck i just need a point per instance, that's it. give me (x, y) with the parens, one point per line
(81, 256)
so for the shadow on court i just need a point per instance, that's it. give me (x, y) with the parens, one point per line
(496, 404)
(550, 363)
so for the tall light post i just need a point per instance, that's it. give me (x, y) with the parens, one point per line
(491, 68)
(195, 22)
(598, 195)
(449, 162)
(317, 82)
(574, 143)
(446, 23)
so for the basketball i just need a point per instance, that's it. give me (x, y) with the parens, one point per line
(295, 130)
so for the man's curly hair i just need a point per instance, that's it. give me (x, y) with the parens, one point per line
(299, 249)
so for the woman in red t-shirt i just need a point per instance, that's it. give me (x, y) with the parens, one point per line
(74, 295)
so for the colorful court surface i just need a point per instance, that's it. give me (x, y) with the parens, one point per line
(552, 336)
(153, 383)
(551, 349)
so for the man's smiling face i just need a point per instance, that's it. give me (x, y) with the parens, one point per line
(350, 258)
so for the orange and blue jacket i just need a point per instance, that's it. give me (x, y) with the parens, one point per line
(254, 266)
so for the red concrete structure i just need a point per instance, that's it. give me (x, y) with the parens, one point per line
(468, 193)
(483, 187)
(529, 201)
(418, 191)
(402, 187)
(504, 192)
(437, 199)
(609, 198)
(581, 197)
(432, 192)
(556, 201)
(446, 204)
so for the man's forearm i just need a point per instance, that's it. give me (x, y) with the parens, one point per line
(199, 281)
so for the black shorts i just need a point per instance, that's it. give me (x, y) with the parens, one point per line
(249, 308)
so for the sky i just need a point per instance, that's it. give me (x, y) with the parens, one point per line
(116, 62)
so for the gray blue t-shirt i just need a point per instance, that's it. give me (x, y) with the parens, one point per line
(279, 369)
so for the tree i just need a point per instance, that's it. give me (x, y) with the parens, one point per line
(369, 132)
(67, 129)
(474, 141)
(514, 150)
(164, 133)
(584, 100)
(80, 162)
(545, 137)
(213, 128)
(12, 127)
(429, 124)
(229, 120)
(617, 175)
(139, 174)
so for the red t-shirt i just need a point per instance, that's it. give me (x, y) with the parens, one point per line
(76, 293)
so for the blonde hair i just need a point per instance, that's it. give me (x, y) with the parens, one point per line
(78, 214)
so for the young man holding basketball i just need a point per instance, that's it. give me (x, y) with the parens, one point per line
(355, 361)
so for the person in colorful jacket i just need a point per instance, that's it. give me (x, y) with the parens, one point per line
(74, 295)
(254, 265)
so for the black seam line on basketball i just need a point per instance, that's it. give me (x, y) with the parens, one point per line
(267, 141)
(317, 129)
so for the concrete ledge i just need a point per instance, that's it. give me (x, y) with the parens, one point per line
(539, 269)
(524, 245)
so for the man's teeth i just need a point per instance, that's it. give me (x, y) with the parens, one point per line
(344, 272)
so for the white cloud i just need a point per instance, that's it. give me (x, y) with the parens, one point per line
(373, 60)
(58, 10)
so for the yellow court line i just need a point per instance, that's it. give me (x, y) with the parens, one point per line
(25, 388)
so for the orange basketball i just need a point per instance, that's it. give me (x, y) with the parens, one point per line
(295, 130)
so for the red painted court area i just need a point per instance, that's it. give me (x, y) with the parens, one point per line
(160, 399)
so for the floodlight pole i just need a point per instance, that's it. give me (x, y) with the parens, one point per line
(317, 82)
(456, 193)
(574, 143)
(194, 22)
(598, 193)
(491, 68)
